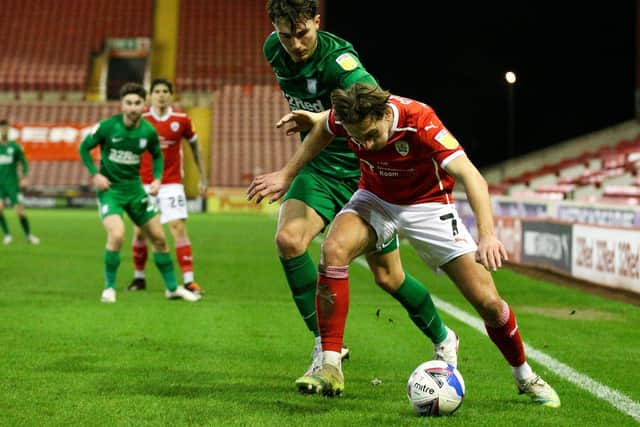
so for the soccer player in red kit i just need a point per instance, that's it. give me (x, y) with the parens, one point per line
(409, 163)
(172, 127)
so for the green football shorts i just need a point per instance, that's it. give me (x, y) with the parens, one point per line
(131, 199)
(11, 192)
(327, 195)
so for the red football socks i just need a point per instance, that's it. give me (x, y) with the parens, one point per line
(332, 306)
(506, 336)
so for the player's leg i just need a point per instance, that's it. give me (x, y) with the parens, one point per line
(416, 299)
(24, 221)
(155, 234)
(172, 202)
(140, 255)
(184, 254)
(140, 252)
(110, 211)
(153, 231)
(310, 204)
(348, 237)
(442, 241)
(114, 226)
(386, 265)
(145, 214)
(3, 221)
(298, 224)
(477, 285)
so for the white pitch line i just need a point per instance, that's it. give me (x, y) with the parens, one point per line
(620, 401)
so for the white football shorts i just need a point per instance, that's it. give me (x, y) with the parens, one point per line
(434, 230)
(172, 202)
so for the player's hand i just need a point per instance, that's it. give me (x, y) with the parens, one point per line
(203, 186)
(154, 187)
(101, 182)
(24, 182)
(273, 185)
(302, 121)
(491, 253)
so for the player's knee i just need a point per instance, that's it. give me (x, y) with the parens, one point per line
(116, 238)
(178, 229)
(388, 280)
(289, 244)
(335, 253)
(138, 235)
(490, 307)
(159, 243)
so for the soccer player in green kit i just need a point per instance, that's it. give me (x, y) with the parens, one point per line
(10, 155)
(122, 139)
(309, 64)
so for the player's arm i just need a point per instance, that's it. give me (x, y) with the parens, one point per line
(197, 155)
(24, 179)
(157, 163)
(275, 184)
(91, 141)
(348, 70)
(491, 252)
(359, 76)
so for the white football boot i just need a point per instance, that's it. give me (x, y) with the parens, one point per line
(108, 296)
(182, 293)
(328, 381)
(447, 350)
(539, 391)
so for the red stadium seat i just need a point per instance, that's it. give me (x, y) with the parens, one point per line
(53, 56)
(220, 42)
(240, 147)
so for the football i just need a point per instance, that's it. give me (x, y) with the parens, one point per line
(435, 388)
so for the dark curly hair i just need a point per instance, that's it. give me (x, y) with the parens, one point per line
(292, 10)
(161, 81)
(360, 101)
(132, 87)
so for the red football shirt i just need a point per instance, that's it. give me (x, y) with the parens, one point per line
(410, 168)
(171, 128)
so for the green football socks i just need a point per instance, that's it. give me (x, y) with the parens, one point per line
(416, 299)
(111, 264)
(165, 265)
(3, 224)
(24, 222)
(302, 277)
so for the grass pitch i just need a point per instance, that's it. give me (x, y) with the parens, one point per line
(232, 358)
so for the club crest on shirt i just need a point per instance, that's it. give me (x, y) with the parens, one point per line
(402, 147)
(347, 61)
(446, 139)
(143, 142)
(312, 86)
(174, 126)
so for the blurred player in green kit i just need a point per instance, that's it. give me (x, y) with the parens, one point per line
(11, 155)
(122, 139)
